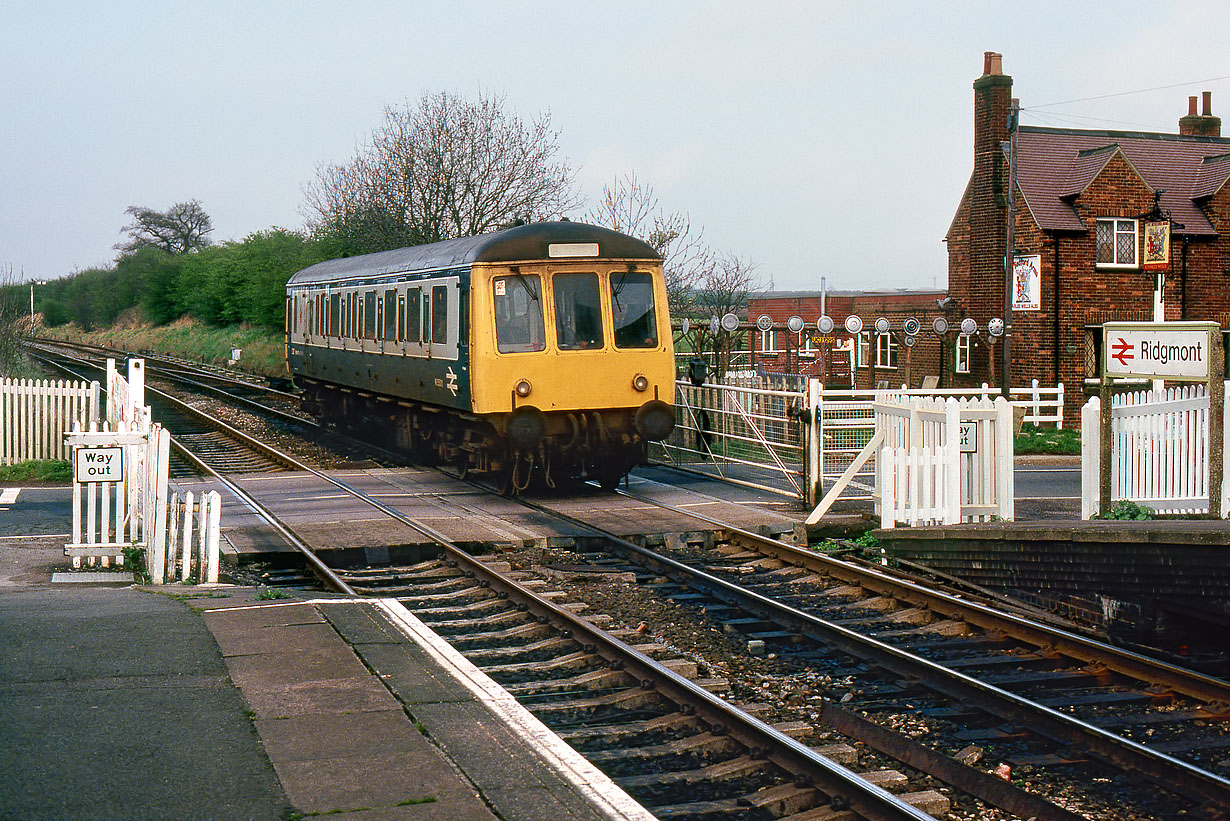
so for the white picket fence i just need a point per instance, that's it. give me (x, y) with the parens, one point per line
(35, 414)
(180, 538)
(1159, 451)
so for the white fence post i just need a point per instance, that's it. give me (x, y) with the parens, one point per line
(1005, 450)
(213, 527)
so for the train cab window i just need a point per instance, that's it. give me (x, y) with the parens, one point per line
(390, 314)
(414, 309)
(518, 314)
(578, 311)
(636, 324)
(439, 314)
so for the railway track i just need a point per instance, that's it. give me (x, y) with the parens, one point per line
(973, 677)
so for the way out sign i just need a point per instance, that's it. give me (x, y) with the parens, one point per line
(98, 465)
(1160, 350)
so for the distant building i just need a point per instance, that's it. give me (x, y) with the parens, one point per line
(1082, 202)
(866, 360)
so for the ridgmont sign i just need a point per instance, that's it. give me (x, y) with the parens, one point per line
(1159, 350)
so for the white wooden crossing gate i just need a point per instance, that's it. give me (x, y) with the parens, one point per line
(937, 461)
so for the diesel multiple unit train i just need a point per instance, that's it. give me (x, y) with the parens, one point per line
(540, 351)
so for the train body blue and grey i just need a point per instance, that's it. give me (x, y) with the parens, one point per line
(543, 349)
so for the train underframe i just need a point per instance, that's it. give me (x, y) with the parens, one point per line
(515, 451)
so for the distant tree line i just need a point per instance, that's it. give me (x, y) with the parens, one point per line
(440, 168)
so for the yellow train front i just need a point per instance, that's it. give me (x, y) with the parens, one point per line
(541, 352)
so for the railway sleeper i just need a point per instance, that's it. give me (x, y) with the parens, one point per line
(740, 767)
(468, 627)
(603, 679)
(542, 650)
(633, 733)
(528, 631)
(545, 669)
(608, 705)
(779, 801)
(680, 754)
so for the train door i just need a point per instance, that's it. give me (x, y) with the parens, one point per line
(442, 318)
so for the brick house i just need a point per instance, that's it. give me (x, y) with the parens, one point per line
(1081, 203)
(871, 358)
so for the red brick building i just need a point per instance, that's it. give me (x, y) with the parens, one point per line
(1081, 202)
(865, 360)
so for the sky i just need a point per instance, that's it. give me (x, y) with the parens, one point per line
(811, 139)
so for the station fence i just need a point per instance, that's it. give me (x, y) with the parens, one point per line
(1160, 447)
(35, 414)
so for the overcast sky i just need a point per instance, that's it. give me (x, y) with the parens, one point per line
(814, 139)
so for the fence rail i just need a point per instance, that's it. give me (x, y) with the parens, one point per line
(35, 415)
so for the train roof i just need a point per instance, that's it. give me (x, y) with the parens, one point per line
(522, 243)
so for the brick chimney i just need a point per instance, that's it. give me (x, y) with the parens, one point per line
(989, 189)
(1203, 124)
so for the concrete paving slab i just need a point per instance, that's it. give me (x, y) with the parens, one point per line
(325, 735)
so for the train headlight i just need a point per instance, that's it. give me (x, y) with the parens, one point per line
(523, 388)
(640, 383)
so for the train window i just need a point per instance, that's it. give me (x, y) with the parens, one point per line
(414, 311)
(401, 317)
(439, 314)
(335, 314)
(369, 315)
(518, 314)
(632, 306)
(390, 314)
(578, 311)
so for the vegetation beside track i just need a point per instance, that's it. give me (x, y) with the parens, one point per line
(263, 350)
(40, 472)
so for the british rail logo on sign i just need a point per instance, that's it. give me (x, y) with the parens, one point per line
(98, 465)
(1159, 350)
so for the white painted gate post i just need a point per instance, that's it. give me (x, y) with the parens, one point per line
(815, 442)
(1005, 457)
(952, 468)
(1091, 453)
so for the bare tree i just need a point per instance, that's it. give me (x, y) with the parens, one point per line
(12, 327)
(632, 207)
(182, 228)
(445, 167)
(723, 287)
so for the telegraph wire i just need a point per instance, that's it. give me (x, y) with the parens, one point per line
(1126, 93)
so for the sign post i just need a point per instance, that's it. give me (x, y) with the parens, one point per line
(1178, 351)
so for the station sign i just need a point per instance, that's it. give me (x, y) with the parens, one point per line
(969, 437)
(98, 465)
(1180, 351)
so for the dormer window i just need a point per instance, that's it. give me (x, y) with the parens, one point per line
(1117, 246)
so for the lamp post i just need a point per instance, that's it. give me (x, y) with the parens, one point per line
(34, 282)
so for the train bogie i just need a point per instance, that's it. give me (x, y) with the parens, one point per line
(539, 351)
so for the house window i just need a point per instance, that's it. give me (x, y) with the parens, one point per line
(886, 351)
(768, 341)
(864, 349)
(805, 344)
(963, 348)
(1117, 243)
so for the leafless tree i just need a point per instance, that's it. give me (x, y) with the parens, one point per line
(630, 206)
(723, 288)
(444, 167)
(181, 228)
(12, 326)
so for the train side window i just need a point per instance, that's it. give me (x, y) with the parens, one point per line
(518, 314)
(401, 317)
(369, 315)
(439, 314)
(414, 313)
(335, 314)
(632, 306)
(390, 314)
(578, 311)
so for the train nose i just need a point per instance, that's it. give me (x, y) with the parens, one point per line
(655, 420)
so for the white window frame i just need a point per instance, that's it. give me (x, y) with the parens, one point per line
(962, 352)
(1119, 226)
(864, 349)
(806, 348)
(886, 352)
(768, 341)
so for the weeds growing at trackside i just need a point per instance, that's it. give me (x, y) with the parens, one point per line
(1124, 509)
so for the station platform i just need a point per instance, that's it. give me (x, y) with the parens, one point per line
(122, 702)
